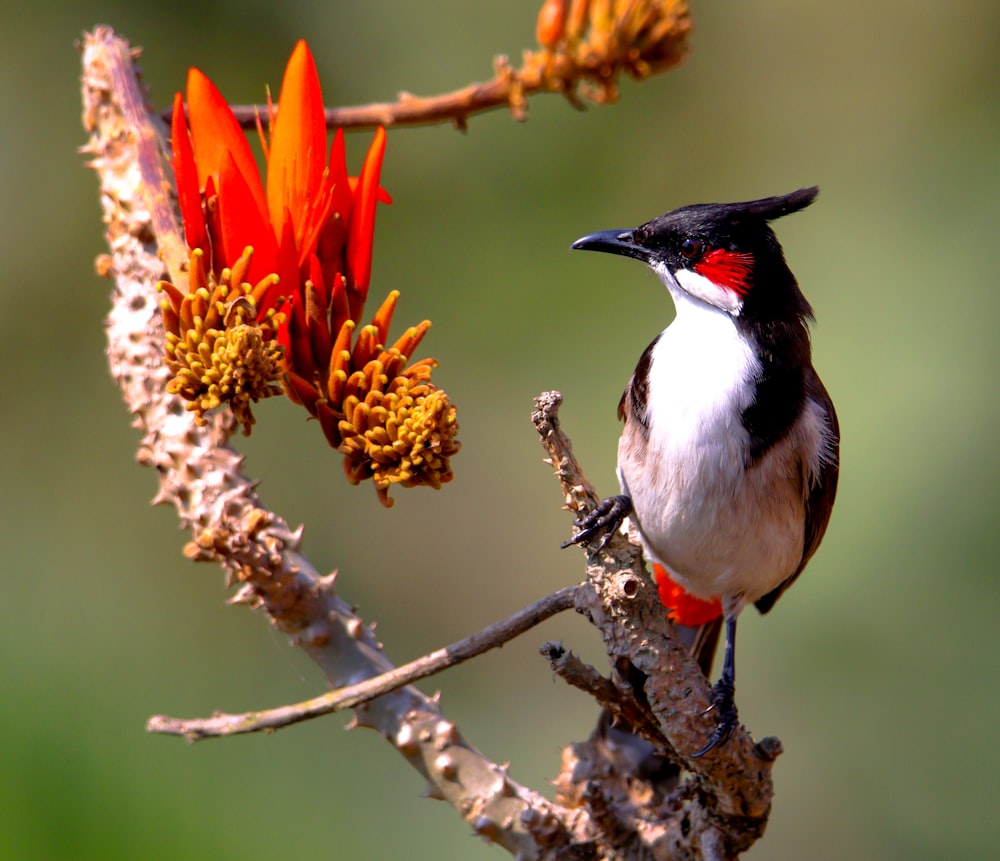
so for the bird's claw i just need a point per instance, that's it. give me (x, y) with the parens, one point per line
(605, 520)
(724, 705)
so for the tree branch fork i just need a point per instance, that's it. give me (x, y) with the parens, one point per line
(715, 812)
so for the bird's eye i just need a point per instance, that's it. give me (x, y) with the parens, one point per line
(691, 249)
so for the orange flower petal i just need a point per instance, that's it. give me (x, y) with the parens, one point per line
(366, 347)
(300, 356)
(383, 316)
(214, 132)
(186, 179)
(314, 274)
(283, 334)
(241, 223)
(332, 236)
(343, 342)
(361, 229)
(173, 295)
(411, 338)
(340, 311)
(301, 391)
(286, 266)
(420, 370)
(329, 421)
(297, 153)
(330, 251)
(551, 22)
(342, 190)
(317, 219)
(319, 331)
(383, 195)
(214, 260)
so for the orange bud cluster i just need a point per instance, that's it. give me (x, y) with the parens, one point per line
(404, 435)
(596, 39)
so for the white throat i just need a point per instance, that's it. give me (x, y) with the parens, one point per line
(700, 377)
(699, 287)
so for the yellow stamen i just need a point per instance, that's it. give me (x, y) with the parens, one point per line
(216, 347)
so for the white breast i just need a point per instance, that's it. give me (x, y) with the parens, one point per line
(719, 528)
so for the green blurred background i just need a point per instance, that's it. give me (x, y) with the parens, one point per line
(878, 671)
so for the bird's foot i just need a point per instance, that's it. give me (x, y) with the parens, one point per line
(605, 520)
(724, 706)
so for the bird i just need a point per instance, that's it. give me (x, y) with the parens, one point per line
(730, 452)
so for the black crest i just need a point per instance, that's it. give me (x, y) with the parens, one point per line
(770, 208)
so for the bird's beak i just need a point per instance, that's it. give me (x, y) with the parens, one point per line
(614, 242)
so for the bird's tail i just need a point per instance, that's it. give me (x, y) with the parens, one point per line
(701, 641)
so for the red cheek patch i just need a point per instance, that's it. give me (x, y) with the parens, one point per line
(730, 269)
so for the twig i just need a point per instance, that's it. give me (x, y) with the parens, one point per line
(351, 696)
(506, 88)
(637, 37)
(622, 705)
(580, 675)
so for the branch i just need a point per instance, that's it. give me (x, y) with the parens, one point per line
(584, 59)
(728, 797)
(351, 696)
(620, 704)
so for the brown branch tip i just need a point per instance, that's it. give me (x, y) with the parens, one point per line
(585, 47)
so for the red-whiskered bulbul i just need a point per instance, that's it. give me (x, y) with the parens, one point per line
(729, 457)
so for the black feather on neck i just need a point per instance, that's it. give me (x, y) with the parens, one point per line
(775, 319)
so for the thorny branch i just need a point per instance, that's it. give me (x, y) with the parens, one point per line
(716, 812)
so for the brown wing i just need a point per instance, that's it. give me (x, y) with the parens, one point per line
(632, 406)
(821, 496)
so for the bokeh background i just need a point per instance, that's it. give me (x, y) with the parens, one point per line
(878, 671)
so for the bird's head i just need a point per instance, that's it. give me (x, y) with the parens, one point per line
(722, 254)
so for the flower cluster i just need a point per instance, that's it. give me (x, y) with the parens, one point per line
(595, 39)
(220, 347)
(278, 279)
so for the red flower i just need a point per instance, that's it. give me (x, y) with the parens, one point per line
(296, 252)
(300, 225)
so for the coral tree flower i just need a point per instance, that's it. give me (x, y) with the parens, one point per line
(294, 254)
(684, 608)
(220, 346)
